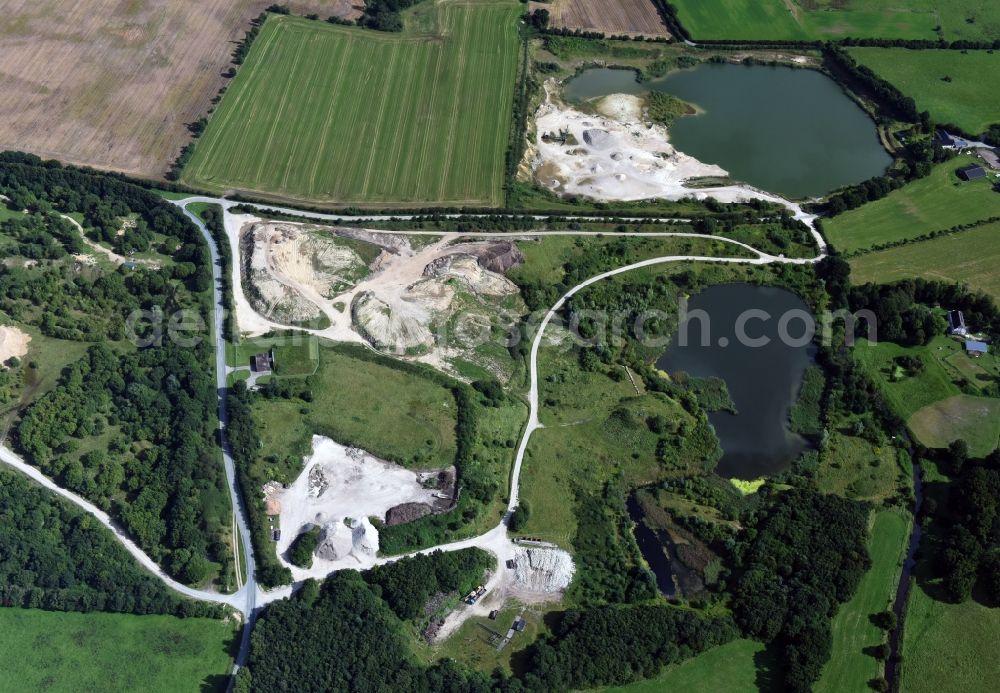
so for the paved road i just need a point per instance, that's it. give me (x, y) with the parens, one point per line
(496, 540)
(249, 589)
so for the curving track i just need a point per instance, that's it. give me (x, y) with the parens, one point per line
(250, 595)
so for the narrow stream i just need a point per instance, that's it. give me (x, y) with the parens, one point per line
(903, 590)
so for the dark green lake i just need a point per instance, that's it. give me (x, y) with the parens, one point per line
(789, 131)
(763, 379)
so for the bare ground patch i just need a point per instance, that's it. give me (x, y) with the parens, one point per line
(629, 17)
(111, 83)
(13, 343)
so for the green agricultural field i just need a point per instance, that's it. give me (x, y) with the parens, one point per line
(58, 651)
(849, 668)
(949, 647)
(935, 203)
(739, 666)
(958, 87)
(970, 257)
(343, 115)
(830, 19)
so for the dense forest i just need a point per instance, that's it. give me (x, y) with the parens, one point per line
(802, 554)
(55, 556)
(407, 584)
(965, 525)
(346, 634)
(132, 424)
(904, 309)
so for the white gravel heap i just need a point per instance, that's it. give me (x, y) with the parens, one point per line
(542, 570)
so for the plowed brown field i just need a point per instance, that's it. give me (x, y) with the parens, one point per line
(111, 83)
(609, 16)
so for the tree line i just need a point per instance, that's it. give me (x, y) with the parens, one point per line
(54, 556)
(964, 525)
(131, 429)
(341, 635)
(800, 556)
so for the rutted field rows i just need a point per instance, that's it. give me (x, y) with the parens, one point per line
(331, 113)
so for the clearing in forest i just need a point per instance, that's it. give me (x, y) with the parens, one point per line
(345, 115)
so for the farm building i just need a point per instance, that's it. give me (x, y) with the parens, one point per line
(944, 139)
(971, 172)
(976, 349)
(956, 323)
(263, 362)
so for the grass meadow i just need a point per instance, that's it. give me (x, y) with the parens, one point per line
(976, 420)
(584, 444)
(343, 115)
(849, 668)
(970, 98)
(831, 19)
(937, 202)
(58, 651)
(949, 647)
(970, 257)
(933, 405)
(736, 667)
(390, 413)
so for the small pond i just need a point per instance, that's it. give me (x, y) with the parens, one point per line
(725, 330)
(785, 130)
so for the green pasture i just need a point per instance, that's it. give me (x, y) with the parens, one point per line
(949, 647)
(957, 87)
(59, 651)
(849, 667)
(739, 666)
(391, 413)
(969, 257)
(833, 19)
(935, 203)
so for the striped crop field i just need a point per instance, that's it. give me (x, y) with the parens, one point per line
(342, 115)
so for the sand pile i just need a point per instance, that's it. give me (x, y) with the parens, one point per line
(339, 482)
(468, 270)
(290, 270)
(13, 343)
(625, 108)
(620, 158)
(542, 570)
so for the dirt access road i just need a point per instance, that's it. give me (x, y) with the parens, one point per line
(496, 541)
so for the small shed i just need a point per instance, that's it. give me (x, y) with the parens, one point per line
(976, 349)
(519, 624)
(971, 172)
